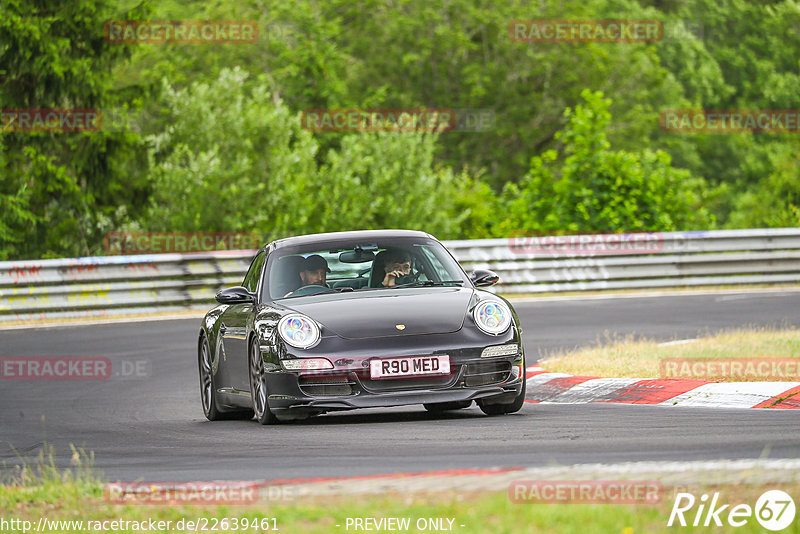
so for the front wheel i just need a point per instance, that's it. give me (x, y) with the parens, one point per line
(208, 388)
(258, 387)
(508, 407)
(208, 394)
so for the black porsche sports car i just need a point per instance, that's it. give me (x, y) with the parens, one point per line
(359, 319)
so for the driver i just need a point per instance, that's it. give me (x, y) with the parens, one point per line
(314, 271)
(397, 268)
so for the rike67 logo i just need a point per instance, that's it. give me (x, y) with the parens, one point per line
(774, 510)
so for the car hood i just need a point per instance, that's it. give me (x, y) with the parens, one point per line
(367, 314)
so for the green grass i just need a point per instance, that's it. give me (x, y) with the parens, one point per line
(77, 495)
(632, 358)
(491, 512)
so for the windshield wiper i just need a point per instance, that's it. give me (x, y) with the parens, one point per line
(429, 283)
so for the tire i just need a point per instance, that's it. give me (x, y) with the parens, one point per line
(504, 408)
(258, 387)
(439, 407)
(208, 391)
(208, 388)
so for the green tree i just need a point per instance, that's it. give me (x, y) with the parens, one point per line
(732, 54)
(231, 159)
(775, 202)
(235, 158)
(590, 188)
(420, 54)
(715, 55)
(61, 191)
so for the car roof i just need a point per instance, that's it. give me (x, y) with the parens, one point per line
(355, 234)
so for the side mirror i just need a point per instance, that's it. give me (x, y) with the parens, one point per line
(235, 295)
(482, 278)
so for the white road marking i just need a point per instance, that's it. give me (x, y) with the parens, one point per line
(730, 394)
(591, 390)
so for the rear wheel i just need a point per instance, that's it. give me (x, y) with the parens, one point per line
(503, 408)
(258, 387)
(439, 407)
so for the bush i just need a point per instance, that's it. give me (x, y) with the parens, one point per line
(232, 157)
(588, 187)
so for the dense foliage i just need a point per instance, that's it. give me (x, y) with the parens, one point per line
(209, 137)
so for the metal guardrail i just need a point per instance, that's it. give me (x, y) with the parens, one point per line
(124, 285)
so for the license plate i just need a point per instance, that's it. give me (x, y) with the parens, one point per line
(414, 366)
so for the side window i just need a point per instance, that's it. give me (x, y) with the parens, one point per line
(251, 278)
(440, 272)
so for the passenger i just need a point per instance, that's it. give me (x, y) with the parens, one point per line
(314, 271)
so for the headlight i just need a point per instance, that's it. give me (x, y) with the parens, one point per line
(492, 317)
(299, 331)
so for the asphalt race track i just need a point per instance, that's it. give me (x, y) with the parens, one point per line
(152, 427)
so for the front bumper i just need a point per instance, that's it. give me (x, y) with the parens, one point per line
(288, 399)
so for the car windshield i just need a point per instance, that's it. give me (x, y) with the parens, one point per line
(359, 265)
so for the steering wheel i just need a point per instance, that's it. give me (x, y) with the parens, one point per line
(408, 278)
(311, 289)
